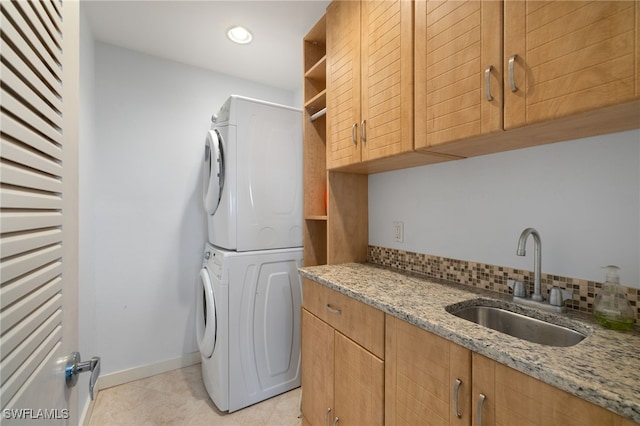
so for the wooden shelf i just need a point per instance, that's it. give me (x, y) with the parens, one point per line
(316, 103)
(316, 217)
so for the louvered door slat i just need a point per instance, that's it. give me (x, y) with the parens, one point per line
(40, 87)
(23, 198)
(31, 194)
(19, 311)
(16, 266)
(31, 119)
(34, 160)
(26, 241)
(12, 129)
(18, 176)
(29, 98)
(456, 41)
(25, 221)
(51, 59)
(43, 69)
(46, 349)
(24, 285)
(12, 362)
(16, 335)
(50, 25)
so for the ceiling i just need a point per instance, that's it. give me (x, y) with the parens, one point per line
(194, 33)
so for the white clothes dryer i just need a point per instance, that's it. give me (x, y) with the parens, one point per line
(248, 324)
(253, 176)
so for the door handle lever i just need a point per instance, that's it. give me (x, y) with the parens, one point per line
(74, 367)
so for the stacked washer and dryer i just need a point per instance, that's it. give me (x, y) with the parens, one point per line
(249, 292)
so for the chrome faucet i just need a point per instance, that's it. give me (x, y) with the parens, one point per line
(537, 269)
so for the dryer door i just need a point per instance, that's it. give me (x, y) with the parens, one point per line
(213, 177)
(206, 324)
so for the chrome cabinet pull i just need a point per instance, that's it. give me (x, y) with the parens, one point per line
(326, 417)
(481, 399)
(333, 310)
(363, 131)
(335, 421)
(512, 79)
(487, 83)
(456, 391)
(354, 136)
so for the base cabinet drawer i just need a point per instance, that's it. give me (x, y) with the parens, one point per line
(360, 322)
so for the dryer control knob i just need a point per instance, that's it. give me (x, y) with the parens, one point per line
(207, 255)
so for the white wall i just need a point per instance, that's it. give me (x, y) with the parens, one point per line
(151, 118)
(582, 196)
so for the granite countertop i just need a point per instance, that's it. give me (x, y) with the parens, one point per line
(604, 368)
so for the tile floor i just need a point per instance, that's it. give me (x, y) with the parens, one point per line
(179, 398)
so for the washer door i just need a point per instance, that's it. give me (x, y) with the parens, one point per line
(213, 177)
(206, 326)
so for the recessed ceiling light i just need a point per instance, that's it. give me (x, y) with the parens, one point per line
(239, 35)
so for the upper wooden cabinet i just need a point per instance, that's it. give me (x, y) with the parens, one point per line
(369, 80)
(458, 70)
(492, 76)
(566, 57)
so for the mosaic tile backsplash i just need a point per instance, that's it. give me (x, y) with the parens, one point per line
(492, 277)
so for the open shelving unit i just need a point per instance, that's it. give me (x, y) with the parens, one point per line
(314, 150)
(335, 203)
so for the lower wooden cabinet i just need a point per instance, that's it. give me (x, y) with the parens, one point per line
(420, 379)
(503, 396)
(427, 378)
(342, 381)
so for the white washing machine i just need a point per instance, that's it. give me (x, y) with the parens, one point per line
(248, 324)
(253, 176)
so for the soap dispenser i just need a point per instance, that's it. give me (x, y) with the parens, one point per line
(612, 308)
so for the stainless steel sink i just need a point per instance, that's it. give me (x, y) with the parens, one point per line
(518, 325)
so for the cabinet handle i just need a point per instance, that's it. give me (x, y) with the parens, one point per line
(335, 421)
(326, 417)
(456, 391)
(487, 83)
(333, 310)
(481, 399)
(363, 131)
(354, 136)
(512, 79)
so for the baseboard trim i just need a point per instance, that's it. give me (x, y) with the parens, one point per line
(136, 373)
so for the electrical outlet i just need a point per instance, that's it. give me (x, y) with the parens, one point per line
(398, 232)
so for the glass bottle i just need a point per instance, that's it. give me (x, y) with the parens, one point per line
(612, 308)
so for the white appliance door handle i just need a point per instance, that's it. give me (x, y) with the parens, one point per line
(213, 172)
(206, 327)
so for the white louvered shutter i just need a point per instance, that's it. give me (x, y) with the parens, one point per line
(31, 193)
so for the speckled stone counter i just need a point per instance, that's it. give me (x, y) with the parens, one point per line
(604, 368)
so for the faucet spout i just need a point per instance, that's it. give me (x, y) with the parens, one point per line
(537, 260)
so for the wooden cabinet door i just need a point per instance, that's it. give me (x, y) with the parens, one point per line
(458, 70)
(483, 399)
(317, 369)
(523, 400)
(571, 56)
(343, 83)
(387, 78)
(359, 384)
(420, 376)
